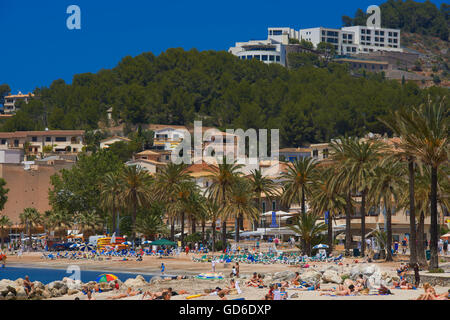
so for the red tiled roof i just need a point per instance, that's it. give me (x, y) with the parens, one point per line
(24, 134)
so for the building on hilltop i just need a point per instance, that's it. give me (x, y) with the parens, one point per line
(10, 101)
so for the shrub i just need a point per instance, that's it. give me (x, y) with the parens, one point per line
(438, 270)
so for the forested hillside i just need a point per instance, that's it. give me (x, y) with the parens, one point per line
(308, 104)
(409, 16)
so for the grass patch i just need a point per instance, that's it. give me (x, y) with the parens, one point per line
(438, 270)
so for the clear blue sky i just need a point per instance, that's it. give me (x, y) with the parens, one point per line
(37, 47)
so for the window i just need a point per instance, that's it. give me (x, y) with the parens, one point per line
(249, 57)
(264, 58)
(271, 58)
(363, 31)
(363, 38)
(381, 33)
(395, 34)
(315, 153)
(390, 34)
(257, 57)
(368, 38)
(325, 153)
(33, 139)
(3, 141)
(368, 31)
(60, 139)
(264, 206)
(278, 58)
(274, 205)
(48, 139)
(354, 49)
(377, 39)
(377, 33)
(16, 143)
(277, 32)
(350, 37)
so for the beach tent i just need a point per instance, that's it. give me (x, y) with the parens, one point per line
(163, 242)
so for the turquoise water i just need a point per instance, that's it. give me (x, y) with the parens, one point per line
(48, 275)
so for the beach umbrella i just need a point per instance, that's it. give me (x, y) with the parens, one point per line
(73, 246)
(106, 278)
(321, 246)
(127, 243)
(86, 247)
(146, 242)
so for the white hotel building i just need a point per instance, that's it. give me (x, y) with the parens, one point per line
(347, 41)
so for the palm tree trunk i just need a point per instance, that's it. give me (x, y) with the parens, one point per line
(213, 226)
(412, 215)
(29, 234)
(256, 222)
(133, 222)
(3, 240)
(114, 222)
(224, 233)
(118, 223)
(172, 230)
(348, 231)
(434, 261)
(203, 232)
(421, 259)
(182, 228)
(363, 224)
(330, 234)
(236, 231)
(193, 226)
(388, 232)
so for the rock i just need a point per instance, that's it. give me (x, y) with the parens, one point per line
(311, 276)
(38, 285)
(141, 278)
(135, 283)
(38, 291)
(283, 276)
(63, 290)
(74, 284)
(46, 294)
(55, 293)
(21, 294)
(5, 283)
(56, 285)
(72, 292)
(333, 267)
(331, 276)
(154, 280)
(19, 282)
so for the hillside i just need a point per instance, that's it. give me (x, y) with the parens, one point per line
(307, 104)
(435, 56)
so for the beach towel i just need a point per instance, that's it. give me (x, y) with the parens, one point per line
(194, 296)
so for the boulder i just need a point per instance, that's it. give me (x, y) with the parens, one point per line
(74, 284)
(38, 291)
(332, 267)
(63, 290)
(311, 276)
(5, 283)
(135, 283)
(55, 293)
(46, 294)
(141, 278)
(283, 275)
(19, 282)
(72, 292)
(21, 294)
(154, 280)
(331, 276)
(56, 285)
(38, 285)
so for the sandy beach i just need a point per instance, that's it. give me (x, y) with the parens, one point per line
(183, 265)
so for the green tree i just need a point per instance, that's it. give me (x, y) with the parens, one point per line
(309, 229)
(136, 191)
(222, 182)
(111, 189)
(30, 218)
(5, 222)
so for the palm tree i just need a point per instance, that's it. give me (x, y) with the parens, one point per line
(424, 136)
(30, 218)
(222, 181)
(359, 159)
(297, 182)
(185, 202)
(386, 186)
(167, 186)
(4, 222)
(309, 229)
(136, 191)
(110, 192)
(58, 221)
(150, 222)
(89, 222)
(262, 186)
(212, 212)
(240, 204)
(325, 199)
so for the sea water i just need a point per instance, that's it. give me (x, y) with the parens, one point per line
(48, 275)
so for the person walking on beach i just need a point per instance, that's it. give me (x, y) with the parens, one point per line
(445, 247)
(213, 265)
(187, 250)
(3, 259)
(237, 269)
(163, 268)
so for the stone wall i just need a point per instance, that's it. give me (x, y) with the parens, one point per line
(436, 279)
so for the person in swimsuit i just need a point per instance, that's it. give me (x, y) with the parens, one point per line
(129, 293)
(28, 286)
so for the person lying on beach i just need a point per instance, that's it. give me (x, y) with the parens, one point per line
(28, 286)
(403, 284)
(296, 280)
(89, 295)
(430, 294)
(383, 290)
(222, 296)
(129, 293)
(311, 287)
(231, 289)
(340, 291)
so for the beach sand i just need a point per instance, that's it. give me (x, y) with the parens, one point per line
(183, 265)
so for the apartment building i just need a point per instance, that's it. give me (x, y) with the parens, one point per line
(10, 104)
(343, 41)
(168, 137)
(370, 39)
(35, 141)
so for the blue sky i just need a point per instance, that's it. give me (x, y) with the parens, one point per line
(37, 47)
